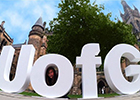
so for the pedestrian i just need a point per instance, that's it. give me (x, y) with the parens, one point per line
(51, 78)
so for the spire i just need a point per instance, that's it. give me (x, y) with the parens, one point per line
(39, 23)
(122, 0)
(125, 5)
(120, 13)
(122, 16)
(2, 23)
(135, 8)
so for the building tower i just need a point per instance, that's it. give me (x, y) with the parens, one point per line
(132, 17)
(5, 39)
(38, 38)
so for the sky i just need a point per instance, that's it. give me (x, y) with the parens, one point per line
(21, 15)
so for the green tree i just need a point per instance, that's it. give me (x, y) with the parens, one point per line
(79, 22)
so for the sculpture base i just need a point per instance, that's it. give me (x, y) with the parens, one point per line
(8, 96)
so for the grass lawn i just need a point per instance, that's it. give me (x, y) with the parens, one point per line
(108, 95)
(100, 95)
(71, 96)
(29, 94)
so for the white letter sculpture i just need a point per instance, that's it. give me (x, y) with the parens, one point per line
(89, 62)
(65, 76)
(22, 76)
(113, 72)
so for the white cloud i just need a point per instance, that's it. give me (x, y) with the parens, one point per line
(102, 1)
(49, 11)
(37, 11)
(20, 15)
(24, 3)
(15, 18)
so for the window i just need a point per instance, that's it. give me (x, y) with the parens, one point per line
(138, 23)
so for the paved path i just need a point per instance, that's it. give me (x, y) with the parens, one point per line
(7, 96)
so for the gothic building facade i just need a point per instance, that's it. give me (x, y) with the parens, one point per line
(5, 39)
(38, 37)
(132, 17)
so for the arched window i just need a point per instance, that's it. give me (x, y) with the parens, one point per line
(102, 86)
(1, 45)
(134, 29)
(138, 23)
(132, 24)
(5, 43)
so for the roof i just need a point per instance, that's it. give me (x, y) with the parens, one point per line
(39, 23)
(17, 45)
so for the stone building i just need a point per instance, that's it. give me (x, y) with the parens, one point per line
(38, 37)
(5, 39)
(17, 48)
(132, 17)
(101, 83)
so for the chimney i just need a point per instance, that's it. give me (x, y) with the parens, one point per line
(44, 25)
(2, 23)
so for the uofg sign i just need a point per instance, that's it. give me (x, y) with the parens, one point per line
(88, 61)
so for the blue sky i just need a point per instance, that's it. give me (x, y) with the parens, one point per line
(21, 15)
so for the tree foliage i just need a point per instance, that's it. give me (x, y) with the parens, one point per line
(79, 22)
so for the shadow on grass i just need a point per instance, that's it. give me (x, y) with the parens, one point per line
(72, 96)
(30, 94)
(100, 95)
